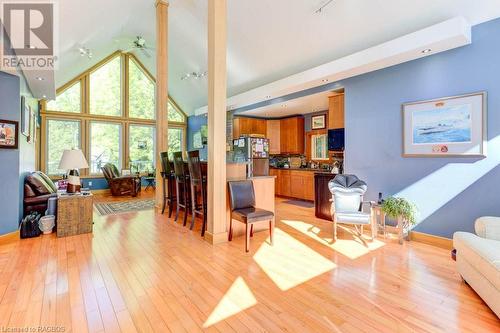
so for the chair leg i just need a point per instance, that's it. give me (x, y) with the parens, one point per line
(193, 205)
(334, 230)
(204, 209)
(247, 238)
(230, 234)
(177, 187)
(251, 230)
(164, 197)
(186, 203)
(271, 231)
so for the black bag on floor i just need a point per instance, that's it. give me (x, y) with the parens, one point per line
(29, 225)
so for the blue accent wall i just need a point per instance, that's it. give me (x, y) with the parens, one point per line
(14, 164)
(450, 192)
(194, 124)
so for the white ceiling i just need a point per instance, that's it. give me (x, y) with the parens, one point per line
(267, 39)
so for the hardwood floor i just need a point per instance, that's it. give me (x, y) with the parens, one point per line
(143, 272)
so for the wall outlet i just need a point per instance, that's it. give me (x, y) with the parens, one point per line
(90, 184)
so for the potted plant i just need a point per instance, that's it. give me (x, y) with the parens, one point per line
(402, 210)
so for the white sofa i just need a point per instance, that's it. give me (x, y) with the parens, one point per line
(478, 259)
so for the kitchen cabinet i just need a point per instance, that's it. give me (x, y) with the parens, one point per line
(273, 129)
(292, 135)
(247, 126)
(336, 111)
(297, 184)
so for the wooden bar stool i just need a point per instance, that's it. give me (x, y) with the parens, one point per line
(198, 184)
(242, 199)
(168, 175)
(182, 186)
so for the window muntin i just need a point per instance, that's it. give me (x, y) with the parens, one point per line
(105, 89)
(61, 135)
(105, 145)
(142, 148)
(141, 93)
(67, 101)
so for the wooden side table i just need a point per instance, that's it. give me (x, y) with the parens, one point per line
(74, 214)
(399, 228)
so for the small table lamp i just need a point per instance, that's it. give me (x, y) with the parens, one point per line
(72, 160)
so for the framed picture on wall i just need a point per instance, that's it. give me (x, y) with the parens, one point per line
(318, 122)
(197, 140)
(449, 126)
(9, 138)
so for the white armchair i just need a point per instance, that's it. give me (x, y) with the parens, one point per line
(478, 259)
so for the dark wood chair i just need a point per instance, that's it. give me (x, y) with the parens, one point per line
(198, 185)
(121, 185)
(242, 200)
(168, 176)
(181, 186)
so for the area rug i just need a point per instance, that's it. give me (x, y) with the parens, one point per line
(305, 204)
(109, 208)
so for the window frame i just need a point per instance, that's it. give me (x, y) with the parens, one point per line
(313, 147)
(85, 117)
(45, 136)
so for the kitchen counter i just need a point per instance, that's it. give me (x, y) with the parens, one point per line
(302, 169)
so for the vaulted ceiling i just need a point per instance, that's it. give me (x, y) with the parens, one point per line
(267, 39)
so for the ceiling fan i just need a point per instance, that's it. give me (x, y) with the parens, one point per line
(139, 43)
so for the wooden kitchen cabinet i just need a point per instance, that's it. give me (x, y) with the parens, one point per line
(292, 135)
(297, 184)
(309, 186)
(336, 111)
(247, 126)
(273, 129)
(285, 183)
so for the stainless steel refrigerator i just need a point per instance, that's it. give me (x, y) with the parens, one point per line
(254, 151)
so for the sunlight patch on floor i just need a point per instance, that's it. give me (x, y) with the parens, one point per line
(238, 298)
(351, 248)
(290, 262)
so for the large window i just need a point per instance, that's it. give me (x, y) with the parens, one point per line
(61, 135)
(105, 89)
(319, 147)
(141, 93)
(67, 101)
(142, 147)
(105, 145)
(109, 112)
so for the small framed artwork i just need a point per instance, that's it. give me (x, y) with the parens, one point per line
(25, 117)
(9, 138)
(450, 126)
(318, 122)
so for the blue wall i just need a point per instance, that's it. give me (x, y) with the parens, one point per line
(451, 192)
(193, 125)
(14, 164)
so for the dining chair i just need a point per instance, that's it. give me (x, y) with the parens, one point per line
(242, 201)
(198, 185)
(168, 176)
(182, 187)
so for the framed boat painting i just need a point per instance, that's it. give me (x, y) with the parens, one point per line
(446, 127)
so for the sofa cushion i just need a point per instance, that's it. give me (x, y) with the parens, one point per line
(483, 254)
(39, 184)
(488, 227)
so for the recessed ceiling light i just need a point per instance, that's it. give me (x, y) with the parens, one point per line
(283, 106)
(426, 51)
(325, 80)
(268, 96)
(44, 96)
(39, 78)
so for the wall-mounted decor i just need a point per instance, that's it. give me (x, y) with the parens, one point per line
(318, 122)
(9, 138)
(197, 140)
(32, 126)
(25, 117)
(450, 126)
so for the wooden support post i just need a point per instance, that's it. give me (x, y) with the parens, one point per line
(217, 72)
(161, 91)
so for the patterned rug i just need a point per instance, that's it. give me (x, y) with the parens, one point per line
(109, 208)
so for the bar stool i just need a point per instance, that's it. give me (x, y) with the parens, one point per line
(198, 184)
(168, 175)
(182, 187)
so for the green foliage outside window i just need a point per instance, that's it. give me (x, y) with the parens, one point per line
(61, 135)
(142, 147)
(175, 140)
(141, 93)
(105, 145)
(105, 89)
(174, 115)
(68, 101)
